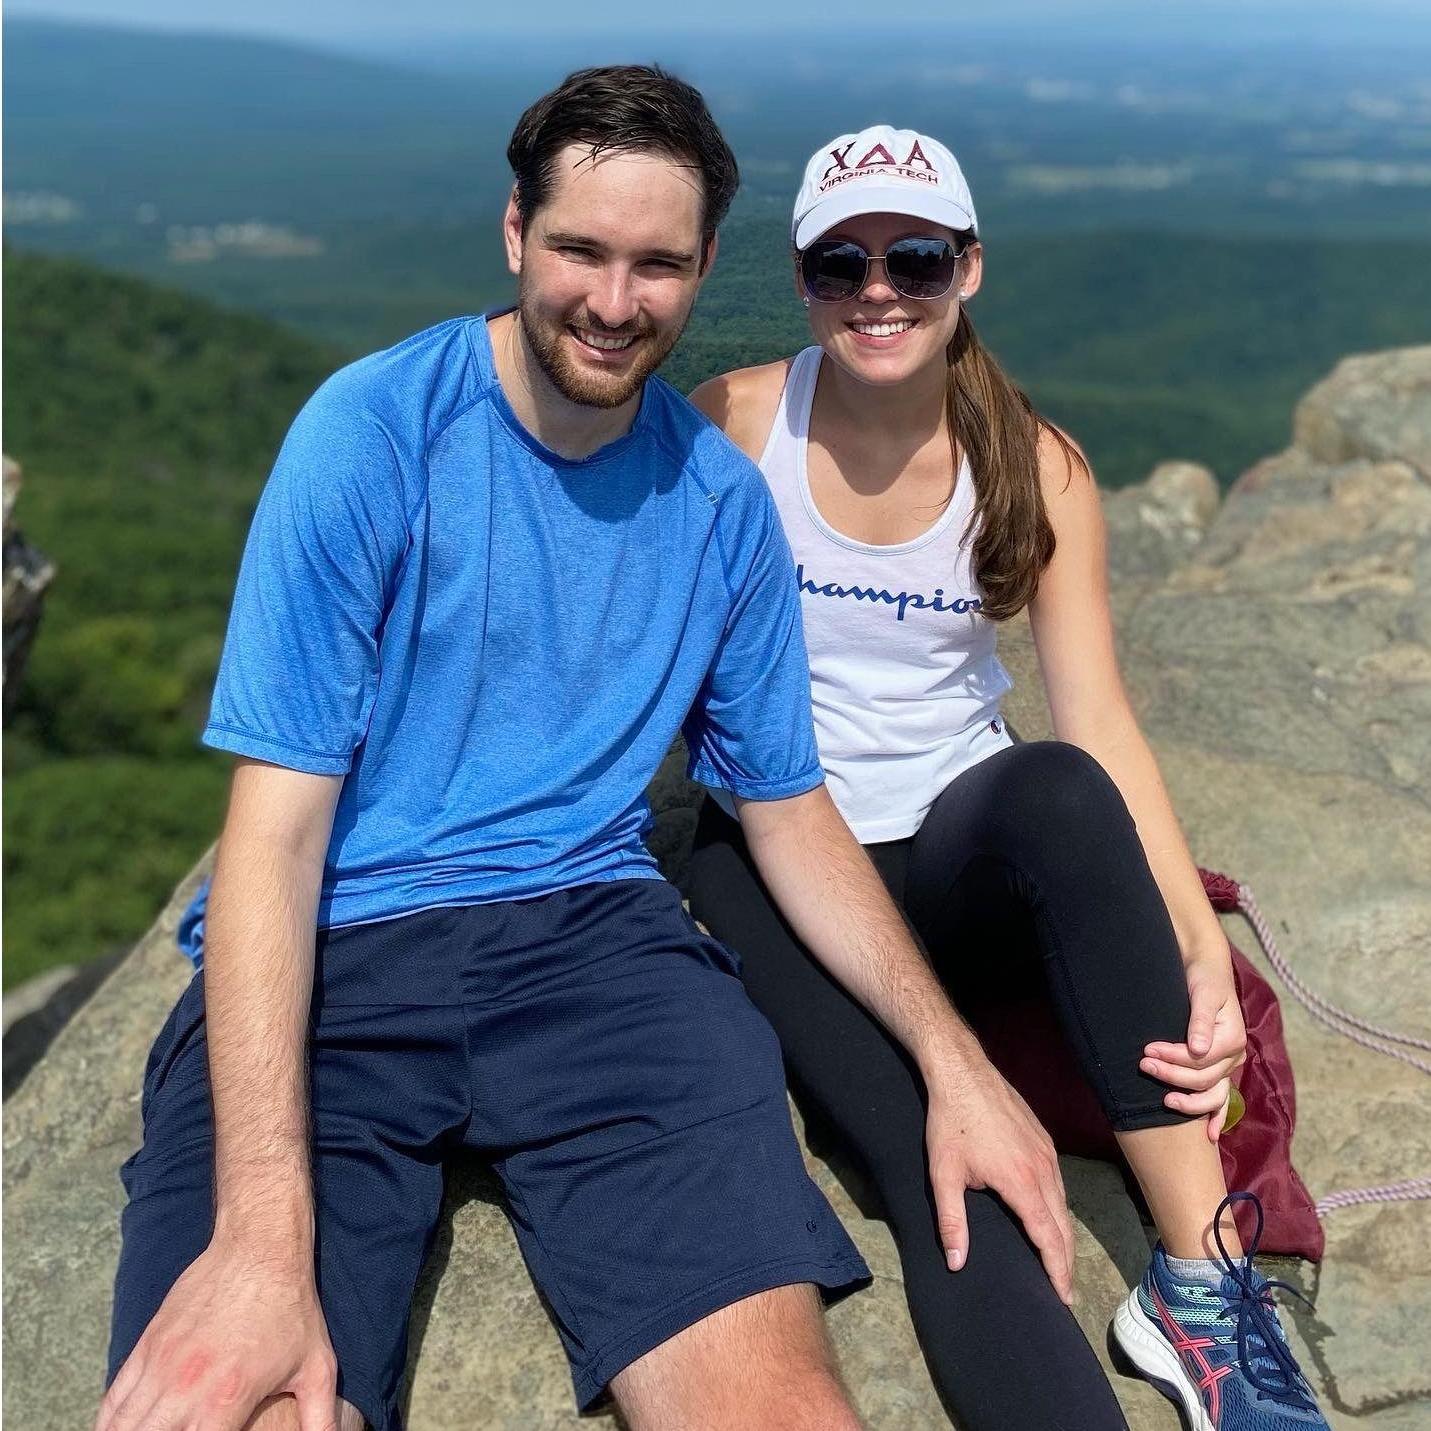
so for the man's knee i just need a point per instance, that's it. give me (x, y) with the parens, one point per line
(280, 1413)
(757, 1365)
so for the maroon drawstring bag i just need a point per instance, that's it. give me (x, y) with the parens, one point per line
(1025, 1044)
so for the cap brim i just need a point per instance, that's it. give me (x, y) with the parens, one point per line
(855, 198)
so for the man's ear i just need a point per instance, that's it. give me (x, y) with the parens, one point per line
(708, 258)
(512, 232)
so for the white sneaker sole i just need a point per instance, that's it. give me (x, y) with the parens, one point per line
(1147, 1348)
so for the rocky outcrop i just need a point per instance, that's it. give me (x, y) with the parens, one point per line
(36, 1010)
(1374, 408)
(1155, 524)
(1277, 649)
(1283, 673)
(27, 574)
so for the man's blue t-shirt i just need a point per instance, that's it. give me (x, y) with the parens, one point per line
(495, 645)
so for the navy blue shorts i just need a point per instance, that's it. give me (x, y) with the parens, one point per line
(596, 1047)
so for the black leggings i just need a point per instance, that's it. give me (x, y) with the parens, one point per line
(1027, 870)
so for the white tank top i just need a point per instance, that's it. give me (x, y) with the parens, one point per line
(905, 680)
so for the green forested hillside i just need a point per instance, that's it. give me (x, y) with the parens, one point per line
(1145, 345)
(144, 422)
(1180, 239)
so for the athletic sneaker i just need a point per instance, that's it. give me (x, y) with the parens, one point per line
(1218, 1351)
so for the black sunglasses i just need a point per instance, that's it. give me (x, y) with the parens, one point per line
(833, 270)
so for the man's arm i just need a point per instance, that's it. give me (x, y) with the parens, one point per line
(980, 1133)
(243, 1322)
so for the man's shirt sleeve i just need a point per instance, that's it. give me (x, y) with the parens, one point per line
(750, 730)
(300, 668)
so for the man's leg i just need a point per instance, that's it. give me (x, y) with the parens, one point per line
(387, 1084)
(761, 1364)
(280, 1413)
(634, 1105)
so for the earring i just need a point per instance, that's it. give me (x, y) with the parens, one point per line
(806, 301)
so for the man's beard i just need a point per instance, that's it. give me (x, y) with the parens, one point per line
(594, 389)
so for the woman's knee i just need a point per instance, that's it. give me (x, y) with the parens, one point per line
(1060, 774)
(1052, 791)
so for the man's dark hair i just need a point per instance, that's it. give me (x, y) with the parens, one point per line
(623, 109)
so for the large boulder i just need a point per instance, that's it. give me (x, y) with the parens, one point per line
(1155, 524)
(1283, 675)
(484, 1354)
(1277, 650)
(1376, 406)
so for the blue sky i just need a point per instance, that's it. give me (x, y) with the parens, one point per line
(341, 19)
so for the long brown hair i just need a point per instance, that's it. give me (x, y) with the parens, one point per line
(995, 422)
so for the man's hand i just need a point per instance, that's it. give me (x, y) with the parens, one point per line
(243, 1322)
(235, 1329)
(1201, 1069)
(981, 1134)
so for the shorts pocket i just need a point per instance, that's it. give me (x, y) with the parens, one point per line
(715, 952)
(180, 1029)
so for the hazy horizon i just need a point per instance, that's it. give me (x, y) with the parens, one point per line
(348, 22)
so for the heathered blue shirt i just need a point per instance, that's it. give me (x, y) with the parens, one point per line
(496, 645)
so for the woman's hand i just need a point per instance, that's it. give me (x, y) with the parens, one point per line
(1200, 1070)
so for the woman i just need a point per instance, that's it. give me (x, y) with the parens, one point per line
(925, 501)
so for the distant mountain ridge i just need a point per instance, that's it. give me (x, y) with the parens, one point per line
(211, 127)
(203, 124)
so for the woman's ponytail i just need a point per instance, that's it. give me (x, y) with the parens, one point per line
(999, 431)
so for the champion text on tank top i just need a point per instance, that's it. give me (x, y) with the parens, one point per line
(905, 680)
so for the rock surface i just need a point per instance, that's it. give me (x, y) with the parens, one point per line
(1278, 651)
(1154, 524)
(27, 574)
(1283, 674)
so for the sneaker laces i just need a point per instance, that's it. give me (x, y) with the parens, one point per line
(1273, 1370)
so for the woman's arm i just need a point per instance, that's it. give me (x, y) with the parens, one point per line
(1073, 635)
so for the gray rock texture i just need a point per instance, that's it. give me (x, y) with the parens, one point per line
(27, 574)
(1282, 671)
(1154, 524)
(1278, 650)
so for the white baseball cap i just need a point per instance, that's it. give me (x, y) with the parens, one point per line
(880, 171)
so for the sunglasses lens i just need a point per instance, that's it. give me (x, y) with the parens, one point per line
(921, 267)
(833, 271)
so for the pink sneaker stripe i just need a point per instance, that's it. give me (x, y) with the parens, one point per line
(1191, 1349)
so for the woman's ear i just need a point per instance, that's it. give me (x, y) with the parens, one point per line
(971, 270)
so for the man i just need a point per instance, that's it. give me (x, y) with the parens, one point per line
(494, 570)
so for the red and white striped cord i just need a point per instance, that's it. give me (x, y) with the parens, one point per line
(1368, 1035)
(1412, 1190)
